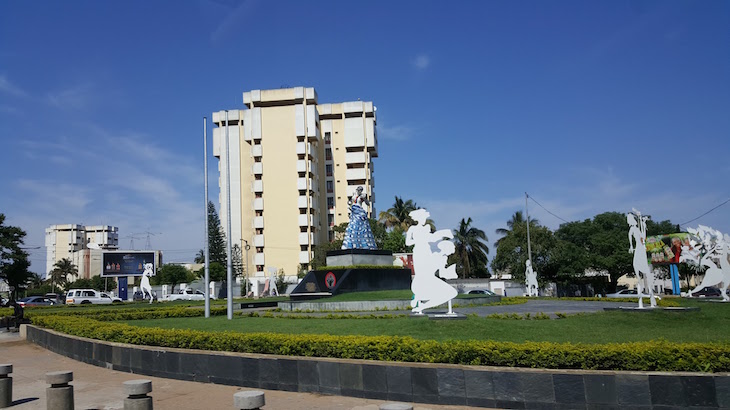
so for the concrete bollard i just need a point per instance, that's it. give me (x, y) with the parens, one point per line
(6, 385)
(137, 398)
(395, 406)
(60, 396)
(246, 400)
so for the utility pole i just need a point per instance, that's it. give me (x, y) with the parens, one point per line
(229, 268)
(205, 208)
(527, 215)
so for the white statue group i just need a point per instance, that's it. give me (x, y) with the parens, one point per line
(428, 290)
(705, 246)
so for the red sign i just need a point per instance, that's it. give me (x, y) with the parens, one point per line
(330, 280)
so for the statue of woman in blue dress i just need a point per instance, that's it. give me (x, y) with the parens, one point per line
(358, 234)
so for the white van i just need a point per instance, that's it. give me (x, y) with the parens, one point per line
(87, 296)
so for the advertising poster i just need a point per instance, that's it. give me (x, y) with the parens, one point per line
(130, 263)
(666, 249)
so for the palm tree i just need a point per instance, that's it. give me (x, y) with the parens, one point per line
(471, 249)
(61, 271)
(398, 214)
(516, 219)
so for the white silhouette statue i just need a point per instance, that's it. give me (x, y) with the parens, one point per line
(709, 244)
(644, 275)
(271, 285)
(145, 281)
(531, 280)
(428, 290)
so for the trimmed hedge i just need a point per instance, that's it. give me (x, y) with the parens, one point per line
(640, 356)
(110, 315)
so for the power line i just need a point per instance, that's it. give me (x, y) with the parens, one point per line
(540, 205)
(692, 220)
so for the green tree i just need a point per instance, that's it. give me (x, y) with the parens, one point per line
(216, 271)
(398, 214)
(471, 250)
(511, 255)
(517, 218)
(62, 271)
(602, 244)
(98, 282)
(216, 239)
(13, 259)
(173, 275)
(395, 241)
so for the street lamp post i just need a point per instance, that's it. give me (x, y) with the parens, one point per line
(248, 281)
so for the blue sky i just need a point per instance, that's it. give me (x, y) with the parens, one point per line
(588, 106)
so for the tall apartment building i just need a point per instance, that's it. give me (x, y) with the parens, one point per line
(67, 241)
(294, 164)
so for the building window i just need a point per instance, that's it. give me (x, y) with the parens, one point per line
(331, 219)
(330, 203)
(327, 138)
(328, 169)
(330, 187)
(328, 154)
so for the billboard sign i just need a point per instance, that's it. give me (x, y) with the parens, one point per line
(666, 249)
(127, 263)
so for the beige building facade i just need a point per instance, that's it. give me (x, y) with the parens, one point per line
(79, 243)
(293, 165)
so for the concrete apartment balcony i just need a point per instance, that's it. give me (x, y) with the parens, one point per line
(258, 259)
(257, 186)
(305, 220)
(304, 183)
(356, 173)
(304, 166)
(305, 238)
(257, 150)
(258, 222)
(355, 158)
(304, 148)
(303, 202)
(304, 257)
(258, 204)
(258, 240)
(257, 168)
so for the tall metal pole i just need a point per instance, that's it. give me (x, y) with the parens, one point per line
(248, 281)
(206, 248)
(527, 215)
(229, 267)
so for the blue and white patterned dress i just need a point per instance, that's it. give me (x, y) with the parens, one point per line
(358, 234)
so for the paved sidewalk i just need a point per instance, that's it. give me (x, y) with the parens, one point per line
(99, 388)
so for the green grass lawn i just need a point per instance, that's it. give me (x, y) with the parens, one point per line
(710, 324)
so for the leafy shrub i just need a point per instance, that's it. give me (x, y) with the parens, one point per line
(639, 356)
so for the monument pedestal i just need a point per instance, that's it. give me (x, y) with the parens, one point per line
(356, 270)
(354, 257)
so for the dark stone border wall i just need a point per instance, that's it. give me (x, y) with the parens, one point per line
(408, 382)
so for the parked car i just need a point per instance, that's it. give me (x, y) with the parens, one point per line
(187, 294)
(626, 293)
(708, 292)
(87, 296)
(482, 292)
(36, 301)
(58, 299)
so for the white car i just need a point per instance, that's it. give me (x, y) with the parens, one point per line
(187, 294)
(87, 296)
(626, 293)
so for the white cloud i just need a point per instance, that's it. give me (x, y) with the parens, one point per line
(421, 61)
(396, 133)
(8, 88)
(143, 187)
(76, 97)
